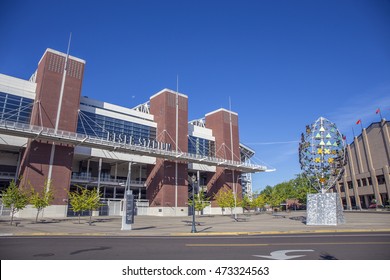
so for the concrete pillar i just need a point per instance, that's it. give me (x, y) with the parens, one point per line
(387, 179)
(88, 174)
(346, 190)
(99, 174)
(339, 192)
(18, 166)
(128, 180)
(358, 155)
(140, 173)
(386, 136)
(367, 201)
(374, 180)
(353, 177)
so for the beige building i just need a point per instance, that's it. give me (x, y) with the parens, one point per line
(366, 179)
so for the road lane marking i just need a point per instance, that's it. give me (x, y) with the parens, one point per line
(226, 245)
(281, 244)
(281, 255)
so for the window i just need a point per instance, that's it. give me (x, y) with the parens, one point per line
(113, 129)
(15, 108)
(200, 146)
(381, 179)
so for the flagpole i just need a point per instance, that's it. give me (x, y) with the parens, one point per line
(360, 122)
(59, 107)
(176, 140)
(378, 111)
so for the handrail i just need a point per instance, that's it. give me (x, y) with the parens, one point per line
(44, 133)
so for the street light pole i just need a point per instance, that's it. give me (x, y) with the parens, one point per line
(193, 229)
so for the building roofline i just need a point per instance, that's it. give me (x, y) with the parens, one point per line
(368, 127)
(247, 148)
(61, 54)
(169, 91)
(221, 109)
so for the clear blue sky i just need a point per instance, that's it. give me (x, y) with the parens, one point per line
(282, 63)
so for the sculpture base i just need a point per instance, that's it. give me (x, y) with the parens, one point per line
(324, 209)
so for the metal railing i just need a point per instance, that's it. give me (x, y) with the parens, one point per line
(44, 133)
(7, 175)
(104, 180)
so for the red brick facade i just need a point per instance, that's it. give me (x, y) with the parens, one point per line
(161, 181)
(224, 125)
(35, 162)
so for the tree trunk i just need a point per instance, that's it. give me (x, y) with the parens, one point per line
(36, 218)
(12, 215)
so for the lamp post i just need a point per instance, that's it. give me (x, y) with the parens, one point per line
(193, 179)
(235, 195)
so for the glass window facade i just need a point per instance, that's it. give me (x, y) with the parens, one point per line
(113, 129)
(201, 146)
(15, 108)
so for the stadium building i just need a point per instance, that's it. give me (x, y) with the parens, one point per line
(366, 181)
(50, 132)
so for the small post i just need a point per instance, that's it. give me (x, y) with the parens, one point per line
(193, 229)
(128, 211)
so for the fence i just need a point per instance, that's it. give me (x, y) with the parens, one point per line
(113, 207)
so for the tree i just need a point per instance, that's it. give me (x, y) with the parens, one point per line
(267, 194)
(83, 200)
(246, 202)
(40, 200)
(76, 201)
(14, 198)
(297, 188)
(225, 199)
(201, 201)
(92, 202)
(258, 201)
(303, 187)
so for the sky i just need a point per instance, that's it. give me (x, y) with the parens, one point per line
(283, 64)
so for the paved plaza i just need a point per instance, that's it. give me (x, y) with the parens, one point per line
(248, 224)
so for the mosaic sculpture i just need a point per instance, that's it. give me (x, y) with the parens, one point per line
(322, 158)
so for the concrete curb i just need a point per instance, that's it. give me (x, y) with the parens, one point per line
(246, 233)
(279, 232)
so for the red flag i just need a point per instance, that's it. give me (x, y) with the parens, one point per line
(378, 111)
(359, 121)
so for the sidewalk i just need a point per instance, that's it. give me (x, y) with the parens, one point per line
(264, 223)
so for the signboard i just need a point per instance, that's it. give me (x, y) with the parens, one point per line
(129, 208)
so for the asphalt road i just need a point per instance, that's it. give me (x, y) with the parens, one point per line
(337, 246)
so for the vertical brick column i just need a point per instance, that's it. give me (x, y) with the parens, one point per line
(224, 132)
(161, 182)
(35, 162)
